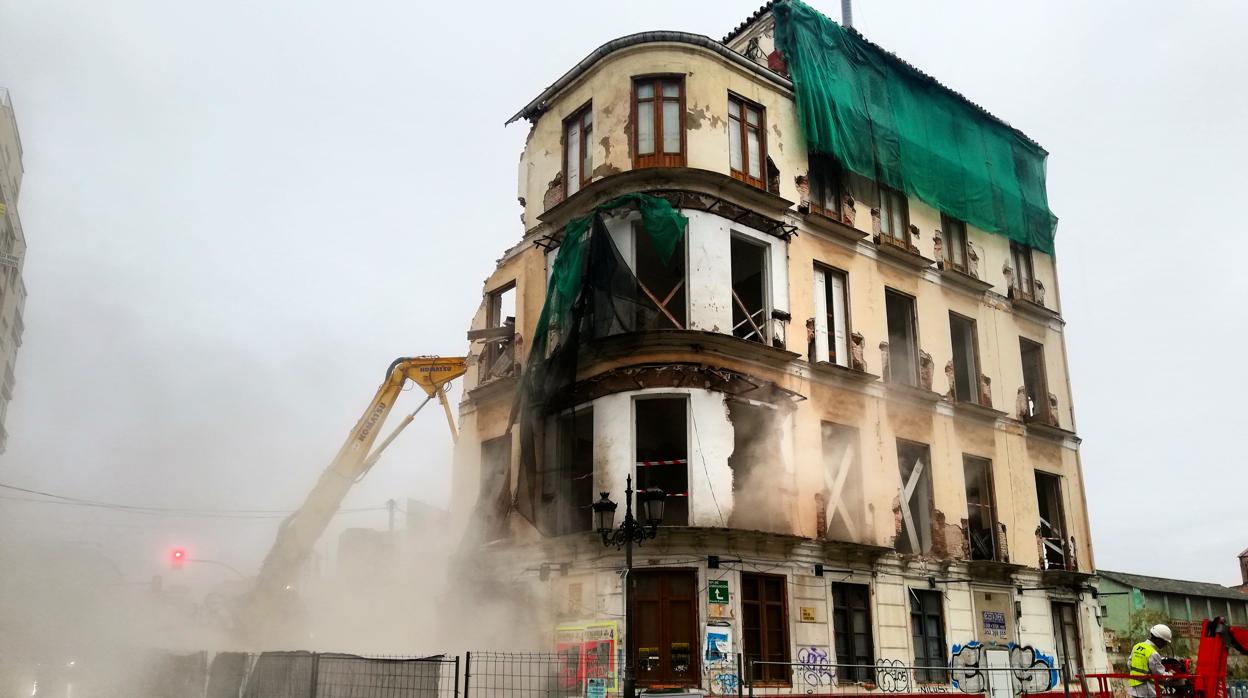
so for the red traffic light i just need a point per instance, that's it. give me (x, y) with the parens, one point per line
(177, 556)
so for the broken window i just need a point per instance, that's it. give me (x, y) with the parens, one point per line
(568, 481)
(746, 141)
(915, 498)
(578, 160)
(749, 290)
(1052, 521)
(851, 627)
(664, 643)
(956, 251)
(1034, 384)
(825, 186)
(903, 354)
(1068, 643)
(658, 103)
(831, 317)
(965, 358)
(894, 217)
(765, 627)
(494, 495)
(1024, 272)
(663, 285)
(842, 488)
(755, 464)
(981, 519)
(927, 627)
(498, 359)
(662, 435)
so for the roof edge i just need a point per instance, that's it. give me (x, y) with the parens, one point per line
(538, 103)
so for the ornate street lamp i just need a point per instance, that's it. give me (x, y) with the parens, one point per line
(653, 502)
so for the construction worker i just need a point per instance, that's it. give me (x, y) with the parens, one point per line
(1146, 660)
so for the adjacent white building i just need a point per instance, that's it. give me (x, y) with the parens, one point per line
(12, 256)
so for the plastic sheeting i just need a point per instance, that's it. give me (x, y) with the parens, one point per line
(884, 120)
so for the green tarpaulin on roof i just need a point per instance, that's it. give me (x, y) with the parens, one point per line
(883, 120)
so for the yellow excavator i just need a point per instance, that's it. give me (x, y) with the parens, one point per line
(264, 614)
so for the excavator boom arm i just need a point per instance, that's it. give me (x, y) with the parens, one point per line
(300, 531)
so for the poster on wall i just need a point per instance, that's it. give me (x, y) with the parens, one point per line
(587, 651)
(994, 625)
(718, 643)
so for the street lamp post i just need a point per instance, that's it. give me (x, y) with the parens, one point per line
(653, 500)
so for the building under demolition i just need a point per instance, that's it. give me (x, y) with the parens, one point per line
(809, 293)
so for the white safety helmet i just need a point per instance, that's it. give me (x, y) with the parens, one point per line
(1161, 632)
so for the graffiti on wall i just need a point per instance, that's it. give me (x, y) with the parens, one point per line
(722, 676)
(815, 669)
(1029, 670)
(891, 676)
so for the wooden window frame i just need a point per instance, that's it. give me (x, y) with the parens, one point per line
(975, 365)
(948, 224)
(771, 674)
(914, 330)
(987, 487)
(1065, 654)
(586, 174)
(903, 240)
(919, 530)
(658, 158)
(830, 333)
(842, 629)
(1061, 528)
(936, 668)
(743, 124)
(763, 329)
(1042, 400)
(1020, 256)
(825, 172)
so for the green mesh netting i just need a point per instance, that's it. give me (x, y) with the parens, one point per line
(883, 121)
(662, 223)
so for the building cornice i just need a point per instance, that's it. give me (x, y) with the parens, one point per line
(538, 105)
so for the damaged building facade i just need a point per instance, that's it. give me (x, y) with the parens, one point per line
(850, 382)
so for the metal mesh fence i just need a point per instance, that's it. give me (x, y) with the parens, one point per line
(818, 676)
(308, 675)
(550, 675)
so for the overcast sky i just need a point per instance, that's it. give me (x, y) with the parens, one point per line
(238, 213)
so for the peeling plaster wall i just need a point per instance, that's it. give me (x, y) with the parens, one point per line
(710, 444)
(608, 84)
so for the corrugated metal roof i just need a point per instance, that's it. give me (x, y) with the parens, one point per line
(1174, 586)
(907, 65)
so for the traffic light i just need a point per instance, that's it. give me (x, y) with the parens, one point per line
(177, 557)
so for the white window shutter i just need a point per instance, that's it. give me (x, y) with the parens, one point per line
(821, 315)
(839, 340)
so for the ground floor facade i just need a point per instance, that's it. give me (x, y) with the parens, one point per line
(711, 607)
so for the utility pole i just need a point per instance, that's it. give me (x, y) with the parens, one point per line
(390, 506)
(847, 14)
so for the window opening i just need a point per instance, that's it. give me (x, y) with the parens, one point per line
(578, 144)
(746, 141)
(749, 290)
(1069, 643)
(955, 242)
(842, 489)
(658, 103)
(965, 359)
(664, 636)
(903, 355)
(825, 186)
(498, 359)
(851, 627)
(915, 498)
(765, 626)
(1036, 407)
(831, 330)
(663, 284)
(1024, 273)
(1052, 521)
(568, 481)
(755, 466)
(981, 512)
(927, 626)
(663, 453)
(894, 217)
